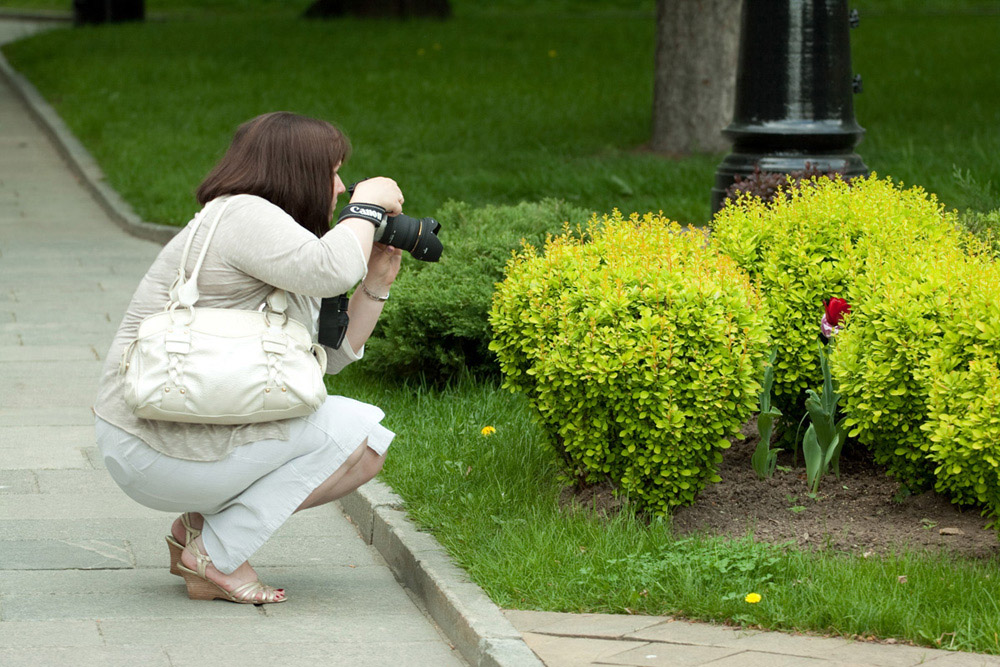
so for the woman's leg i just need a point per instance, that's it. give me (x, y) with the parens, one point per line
(363, 464)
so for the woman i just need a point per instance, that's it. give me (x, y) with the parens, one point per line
(236, 485)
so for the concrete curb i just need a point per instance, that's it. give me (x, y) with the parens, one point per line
(81, 163)
(464, 612)
(461, 609)
(36, 15)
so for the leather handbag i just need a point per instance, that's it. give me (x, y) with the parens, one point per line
(220, 365)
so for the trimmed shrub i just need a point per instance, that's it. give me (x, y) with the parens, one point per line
(903, 307)
(963, 404)
(436, 324)
(640, 349)
(811, 246)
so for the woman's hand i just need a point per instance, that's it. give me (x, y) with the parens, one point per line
(383, 266)
(380, 191)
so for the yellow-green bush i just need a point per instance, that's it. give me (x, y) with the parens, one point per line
(640, 349)
(963, 405)
(903, 309)
(812, 246)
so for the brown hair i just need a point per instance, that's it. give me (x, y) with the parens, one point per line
(288, 160)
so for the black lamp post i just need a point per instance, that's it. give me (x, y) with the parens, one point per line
(108, 11)
(794, 89)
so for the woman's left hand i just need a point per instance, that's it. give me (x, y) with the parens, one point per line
(383, 266)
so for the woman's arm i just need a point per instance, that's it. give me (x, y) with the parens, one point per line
(273, 248)
(365, 307)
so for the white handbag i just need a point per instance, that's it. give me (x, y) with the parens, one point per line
(219, 365)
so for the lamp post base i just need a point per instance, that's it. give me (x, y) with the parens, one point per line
(742, 164)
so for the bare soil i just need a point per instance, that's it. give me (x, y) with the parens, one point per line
(863, 512)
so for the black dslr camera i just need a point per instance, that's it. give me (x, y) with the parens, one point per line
(418, 236)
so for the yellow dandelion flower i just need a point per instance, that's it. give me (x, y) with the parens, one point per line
(421, 52)
(552, 53)
(488, 430)
(752, 598)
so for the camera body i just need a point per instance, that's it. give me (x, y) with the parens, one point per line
(418, 236)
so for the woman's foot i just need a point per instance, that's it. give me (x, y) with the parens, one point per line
(232, 583)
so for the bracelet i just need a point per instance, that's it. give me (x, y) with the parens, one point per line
(372, 295)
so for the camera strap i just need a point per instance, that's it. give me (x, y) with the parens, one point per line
(370, 212)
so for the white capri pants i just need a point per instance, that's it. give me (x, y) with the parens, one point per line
(248, 495)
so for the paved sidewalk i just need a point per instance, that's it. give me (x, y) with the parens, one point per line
(581, 640)
(83, 578)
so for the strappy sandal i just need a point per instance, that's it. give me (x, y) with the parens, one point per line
(200, 587)
(176, 547)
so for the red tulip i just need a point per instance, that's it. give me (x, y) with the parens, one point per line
(835, 311)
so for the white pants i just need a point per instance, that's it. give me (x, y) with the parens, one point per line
(248, 495)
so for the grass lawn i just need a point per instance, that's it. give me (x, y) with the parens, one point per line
(491, 108)
(487, 107)
(492, 502)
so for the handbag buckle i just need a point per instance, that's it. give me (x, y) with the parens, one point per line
(275, 342)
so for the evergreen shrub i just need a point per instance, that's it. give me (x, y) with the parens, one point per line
(903, 308)
(639, 348)
(436, 323)
(811, 245)
(963, 413)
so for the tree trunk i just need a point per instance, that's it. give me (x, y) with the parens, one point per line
(696, 51)
(393, 9)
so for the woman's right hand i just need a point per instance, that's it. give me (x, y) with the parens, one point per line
(380, 191)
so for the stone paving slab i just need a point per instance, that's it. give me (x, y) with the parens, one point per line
(47, 554)
(166, 601)
(47, 437)
(17, 457)
(758, 659)
(86, 656)
(40, 506)
(671, 655)
(75, 481)
(48, 353)
(18, 481)
(561, 639)
(342, 626)
(30, 634)
(390, 652)
(51, 416)
(577, 651)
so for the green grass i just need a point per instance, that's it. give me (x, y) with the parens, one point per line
(492, 502)
(476, 109)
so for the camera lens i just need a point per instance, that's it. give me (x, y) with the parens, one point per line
(416, 236)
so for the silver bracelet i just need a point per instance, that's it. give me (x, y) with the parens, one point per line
(372, 295)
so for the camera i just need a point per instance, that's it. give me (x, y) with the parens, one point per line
(418, 236)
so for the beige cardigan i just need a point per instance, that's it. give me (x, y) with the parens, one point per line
(256, 246)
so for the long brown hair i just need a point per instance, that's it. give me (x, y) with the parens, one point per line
(288, 160)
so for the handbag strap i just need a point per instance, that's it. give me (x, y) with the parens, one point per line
(184, 291)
